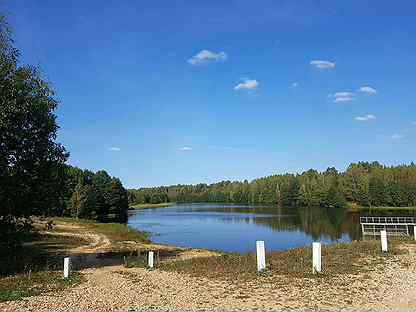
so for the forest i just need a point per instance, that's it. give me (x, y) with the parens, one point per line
(362, 184)
(35, 179)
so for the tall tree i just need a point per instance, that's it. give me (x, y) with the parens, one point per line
(30, 159)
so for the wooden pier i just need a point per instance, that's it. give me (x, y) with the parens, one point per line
(392, 225)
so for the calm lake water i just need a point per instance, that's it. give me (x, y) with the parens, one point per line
(235, 228)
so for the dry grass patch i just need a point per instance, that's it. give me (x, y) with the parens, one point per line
(348, 258)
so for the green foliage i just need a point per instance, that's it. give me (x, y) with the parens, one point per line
(363, 183)
(34, 179)
(29, 156)
(31, 162)
(96, 196)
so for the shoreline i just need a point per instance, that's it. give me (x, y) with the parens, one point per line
(349, 207)
(149, 206)
(381, 209)
(356, 275)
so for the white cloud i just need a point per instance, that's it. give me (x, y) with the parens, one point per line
(368, 117)
(114, 149)
(205, 56)
(248, 84)
(323, 64)
(368, 90)
(343, 99)
(397, 136)
(185, 148)
(295, 84)
(344, 96)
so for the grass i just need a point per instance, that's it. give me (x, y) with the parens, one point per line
(119, 232)
(116, 232)
(348, 258)
(43, 252)
(355, 208)
(145, 206)
(32, 284)
(36, 267)
(138, 261)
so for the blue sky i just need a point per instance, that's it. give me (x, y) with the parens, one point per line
(166, 92)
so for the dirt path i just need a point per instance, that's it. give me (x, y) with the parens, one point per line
(391, 287)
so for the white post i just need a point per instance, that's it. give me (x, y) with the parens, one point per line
(316, 258)
(383, 235)
(67, 267)
(151, 254)
(261, 256)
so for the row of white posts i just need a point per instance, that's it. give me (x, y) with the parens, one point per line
(67, 263)
(261, 255)
(316, 257)
(316, 253)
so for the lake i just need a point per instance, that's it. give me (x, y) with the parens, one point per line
(235, 228)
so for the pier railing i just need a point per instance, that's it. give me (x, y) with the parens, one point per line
(392, 225)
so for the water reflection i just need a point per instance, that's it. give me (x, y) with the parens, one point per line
(236, 227)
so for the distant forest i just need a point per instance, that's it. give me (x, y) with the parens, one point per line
(363, 184)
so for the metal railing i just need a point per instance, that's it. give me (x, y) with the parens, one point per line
(388, 220)
(392, 225)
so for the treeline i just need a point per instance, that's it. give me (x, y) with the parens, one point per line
(34, 176)
(90, 195)
(363, 183)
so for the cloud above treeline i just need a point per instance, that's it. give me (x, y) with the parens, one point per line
(206, 56)
(320, 64)
(247, 84)
(368, 117)
(114, 149)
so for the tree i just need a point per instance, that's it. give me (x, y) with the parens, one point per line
(29, 156)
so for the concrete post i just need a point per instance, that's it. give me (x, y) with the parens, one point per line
(150, 260)
(383, 235)
(316, 258)
(261, 256)
(67, 267)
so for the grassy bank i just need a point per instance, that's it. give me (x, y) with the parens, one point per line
(380, 209)
(345, 258)
(116, 232)
(36, 267)
(145, 206)
(32, 284)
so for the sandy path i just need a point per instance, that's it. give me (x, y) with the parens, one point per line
(98, 242)
(389, 288)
